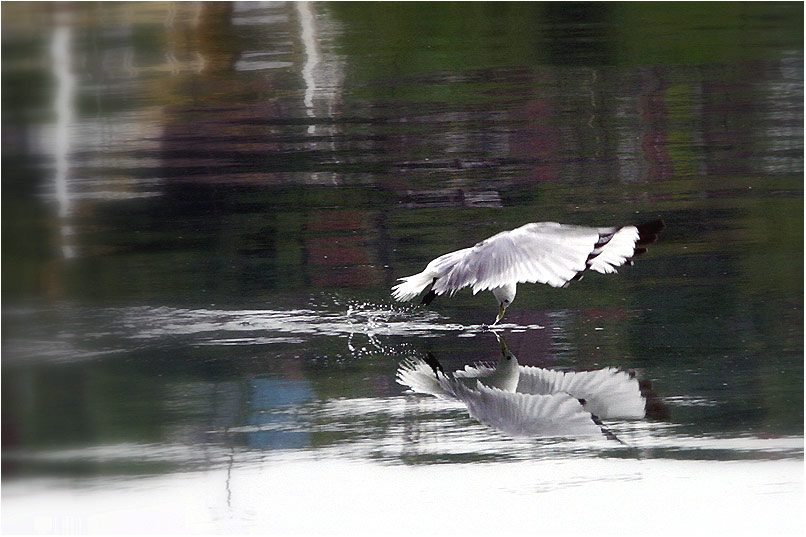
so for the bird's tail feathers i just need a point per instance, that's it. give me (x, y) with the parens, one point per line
(411, 286)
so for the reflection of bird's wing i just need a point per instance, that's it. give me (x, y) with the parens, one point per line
(515, 414)
(474, 371)
(545, 252)
(417, 375)
(608, 393)
(518, 414)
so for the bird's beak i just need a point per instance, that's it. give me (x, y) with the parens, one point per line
(501, 310)
(504, 349)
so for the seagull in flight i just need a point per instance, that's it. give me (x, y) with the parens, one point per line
(531, 401)
(541, 252)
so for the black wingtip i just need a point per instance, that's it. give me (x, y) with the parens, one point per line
(610, 435)
(428, 298)
(578, 276)
(638, 251)
(648, 232)
(434, 364)
(656, 409)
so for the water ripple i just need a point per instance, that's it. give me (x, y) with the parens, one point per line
(73, 333)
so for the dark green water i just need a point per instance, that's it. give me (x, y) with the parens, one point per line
(204, 207)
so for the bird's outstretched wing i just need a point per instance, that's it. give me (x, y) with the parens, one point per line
(518, 414)
(545, 252)
(607, 393)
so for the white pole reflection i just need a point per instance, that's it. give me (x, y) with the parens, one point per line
(312, 57)
(63, 106)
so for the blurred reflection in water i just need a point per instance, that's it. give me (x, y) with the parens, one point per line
(63, 106)
(312, 59)
(269, 398)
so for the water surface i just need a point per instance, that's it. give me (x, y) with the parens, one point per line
(205, 206)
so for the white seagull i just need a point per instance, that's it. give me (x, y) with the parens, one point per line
(543, 252)
(531, 401)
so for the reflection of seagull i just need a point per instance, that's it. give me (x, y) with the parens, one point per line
(530, 401)
(544, 252)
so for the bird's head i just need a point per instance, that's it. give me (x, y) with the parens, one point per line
(504, 295)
